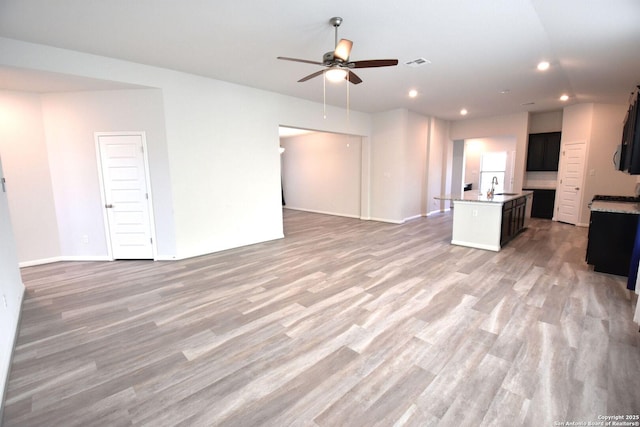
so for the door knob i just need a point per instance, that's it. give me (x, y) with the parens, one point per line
(577, 188)
(109, 206)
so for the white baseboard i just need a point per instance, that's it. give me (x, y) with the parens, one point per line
(437, 211)
(42, 261)
(392, 221)
(476, 245)
(293, 208)
(215, 249)
(39, 262)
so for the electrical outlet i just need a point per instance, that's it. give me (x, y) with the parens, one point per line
(85, 239)
(474, 212)
(4, 300)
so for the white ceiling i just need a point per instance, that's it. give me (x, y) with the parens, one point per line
(477, 48)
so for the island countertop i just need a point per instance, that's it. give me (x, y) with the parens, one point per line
(476, 196)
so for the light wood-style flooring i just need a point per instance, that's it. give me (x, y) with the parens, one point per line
(342, 323)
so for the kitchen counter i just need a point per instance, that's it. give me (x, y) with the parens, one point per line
(488, 223)
(615, 207)
(476, 196)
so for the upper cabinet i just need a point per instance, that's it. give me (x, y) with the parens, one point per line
(543, 152)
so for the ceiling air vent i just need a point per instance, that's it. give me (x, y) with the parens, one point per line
(417, 62)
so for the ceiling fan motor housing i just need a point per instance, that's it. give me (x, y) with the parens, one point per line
(328, 58)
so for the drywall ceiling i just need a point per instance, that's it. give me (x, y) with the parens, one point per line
(482, 54)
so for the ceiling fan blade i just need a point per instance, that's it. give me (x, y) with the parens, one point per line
(299, 60)
(373, 63)
(343, 49)
(353, 78)
(310, 76)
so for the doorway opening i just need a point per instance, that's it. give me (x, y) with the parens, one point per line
(322, 172)
(477, 160)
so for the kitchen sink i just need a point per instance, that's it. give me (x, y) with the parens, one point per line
(506, 194)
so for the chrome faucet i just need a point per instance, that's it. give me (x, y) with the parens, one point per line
(490, 192)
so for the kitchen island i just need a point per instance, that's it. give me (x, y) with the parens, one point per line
(488, 222)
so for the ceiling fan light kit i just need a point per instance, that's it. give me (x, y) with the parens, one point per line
(343, 49)
(338, 60)
(336, 74)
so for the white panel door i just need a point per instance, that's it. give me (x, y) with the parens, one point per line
(570, 182)
(126, 195)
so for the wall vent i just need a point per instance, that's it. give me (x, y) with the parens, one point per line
(417, 62)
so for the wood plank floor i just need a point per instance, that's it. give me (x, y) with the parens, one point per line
(342, 323)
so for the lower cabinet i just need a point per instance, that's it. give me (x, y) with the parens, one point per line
(611, 239)
(513, 216)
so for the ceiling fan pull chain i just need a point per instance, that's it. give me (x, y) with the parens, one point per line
(348, 98)
(324, 96)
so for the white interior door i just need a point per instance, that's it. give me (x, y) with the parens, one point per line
(570, 183)
(126, 195)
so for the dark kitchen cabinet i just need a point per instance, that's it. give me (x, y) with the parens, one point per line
(513, 214)
(611, 240)
(543, 151)
(543, 203)
(630, 147)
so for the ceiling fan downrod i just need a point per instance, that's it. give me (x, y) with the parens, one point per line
(336, 21)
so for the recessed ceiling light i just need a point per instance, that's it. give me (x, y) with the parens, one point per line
(413, 93)
(505, 91)
(564, 97)
(543, 66)
(463, 112)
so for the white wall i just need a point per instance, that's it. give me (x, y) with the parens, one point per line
(550, 121)
(11, 289)
(26, 165)
(601, 174)
(400, 167)
(321, 172)
(70, 120)
(387, 166)
(439, 166)
(415, 170)
(458, 172)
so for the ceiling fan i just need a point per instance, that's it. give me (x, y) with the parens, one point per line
(337, 61)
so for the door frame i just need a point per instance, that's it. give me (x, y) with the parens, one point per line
(103, 197)
(561, 172)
